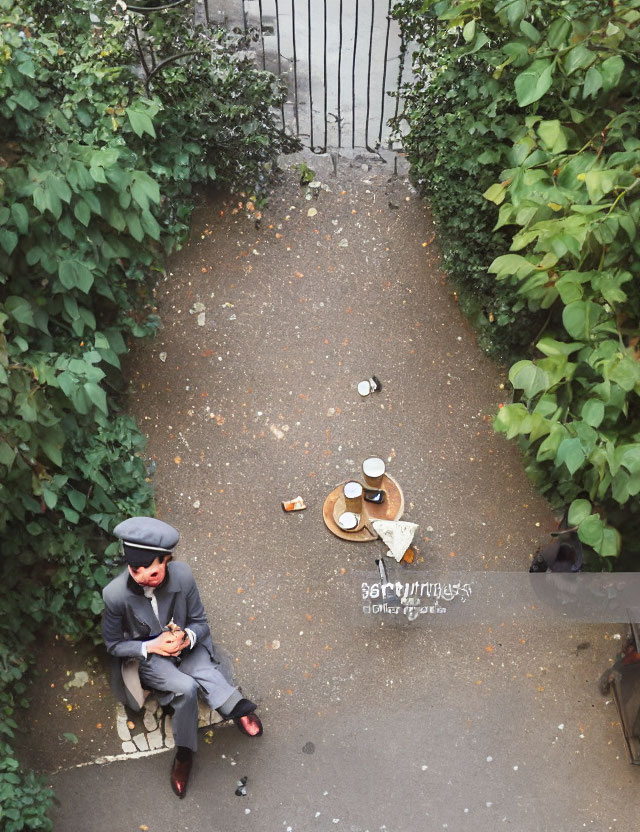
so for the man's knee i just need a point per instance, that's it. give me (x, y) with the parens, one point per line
(187, 687)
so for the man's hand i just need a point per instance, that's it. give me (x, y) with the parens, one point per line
(168, 644)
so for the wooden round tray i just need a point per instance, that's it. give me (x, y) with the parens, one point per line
(391, 509)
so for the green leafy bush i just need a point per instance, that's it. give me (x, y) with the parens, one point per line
(568, 157)
(98, 167)
(460, 120)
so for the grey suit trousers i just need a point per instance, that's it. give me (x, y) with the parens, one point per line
(196, 674)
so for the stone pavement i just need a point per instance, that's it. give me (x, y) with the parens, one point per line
(248, 396)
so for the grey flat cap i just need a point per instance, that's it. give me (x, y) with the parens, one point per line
(147, 533)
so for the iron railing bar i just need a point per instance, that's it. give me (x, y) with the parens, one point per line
(366, 126)
(325, 77)
(340, 78)
(206, 13)
(264, 59)
(295, 66)
(279, 57)
(384, 74)
(353, 80)
(244, 15)
(309, 73)
(403, 51)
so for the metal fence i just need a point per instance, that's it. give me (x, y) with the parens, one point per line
(342, 62)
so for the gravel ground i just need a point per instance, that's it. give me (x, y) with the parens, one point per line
(248, 396)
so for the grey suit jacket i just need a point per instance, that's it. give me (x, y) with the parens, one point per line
(129, 620)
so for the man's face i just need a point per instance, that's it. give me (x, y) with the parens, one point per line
(152, 575)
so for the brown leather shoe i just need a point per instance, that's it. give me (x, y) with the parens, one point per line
(180, 776)
(249, 724)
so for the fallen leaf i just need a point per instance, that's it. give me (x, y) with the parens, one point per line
(408, 556)
(312, 212)
(177, 460)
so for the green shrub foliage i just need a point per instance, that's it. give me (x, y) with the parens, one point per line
(97, 167)
(549, 137)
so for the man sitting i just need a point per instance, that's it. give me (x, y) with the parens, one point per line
(154, 615)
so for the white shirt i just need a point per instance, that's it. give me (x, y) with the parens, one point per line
(150, 593)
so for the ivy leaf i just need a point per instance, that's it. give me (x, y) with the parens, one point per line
(508, 264)
(580, 317)
(570, 452)
(53, 450)
(526, 376)
(8, 240)
(144, 188)
(578, 58)
(77, 499)
(82, 212)
(495, 193)
(534, 82)
(592, 413)
(611, 543)
(592, 82)
(7, 454)
(579, 510)
(74, 274)
(629, 456)
(20, 217)
(558, 32)
(97, 396)
(140, 122)
(97, 604)
(611, 70)
(25, 406)
(134, 226)
(19, 309)
(70, 515)
(530, 31)
(549, 346)
(591, 530)
(553, 136)
(626, 373)
(26, 100)
(150, 225)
